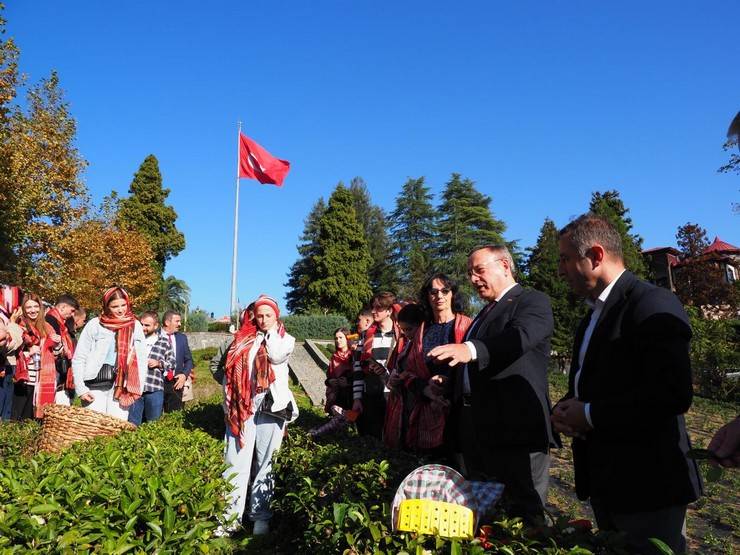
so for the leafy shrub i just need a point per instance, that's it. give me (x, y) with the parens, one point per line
(715, 349)
(156, 489)
(218, 326)
(197, 320)
(18, 438)
(314, 326)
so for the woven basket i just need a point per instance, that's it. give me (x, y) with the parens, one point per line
(64, 426)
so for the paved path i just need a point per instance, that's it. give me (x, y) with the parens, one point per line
(310, 375)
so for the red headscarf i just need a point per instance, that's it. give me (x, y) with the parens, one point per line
(239, 375)
(127, 386)
(10, 300)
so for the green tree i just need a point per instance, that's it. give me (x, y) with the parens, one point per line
(197, 320)
(342, 261)
(302, 272)
(145, 210)
(465, 221)
(375, 225)
(543, 275)
(412, 236)
(610, 206)
(43, 195)
(174, 294)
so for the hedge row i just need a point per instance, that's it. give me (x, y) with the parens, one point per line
(314, 326)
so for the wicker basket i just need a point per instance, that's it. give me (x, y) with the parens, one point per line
(64, 425)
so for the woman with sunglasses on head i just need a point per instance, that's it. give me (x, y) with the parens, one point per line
(418, 421)
(110, 362)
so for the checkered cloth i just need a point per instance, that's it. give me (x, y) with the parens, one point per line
(162, 351)
(442, 483)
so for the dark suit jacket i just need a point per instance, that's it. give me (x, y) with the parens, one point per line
(508, 379)
(183, 357)
(637, 376)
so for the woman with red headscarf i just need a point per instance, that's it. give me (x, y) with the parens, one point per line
(110, 362)
(258, 405)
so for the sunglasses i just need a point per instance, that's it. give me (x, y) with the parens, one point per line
(434, 291)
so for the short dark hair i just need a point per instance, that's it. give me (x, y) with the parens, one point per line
(589, 229)
(149, 314)
(457, 300)
(384, 300)
(413, 314)
(169, 314)
(366, 311)
(68, 299)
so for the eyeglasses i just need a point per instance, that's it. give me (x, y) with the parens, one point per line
(478, 270)
(434, 291)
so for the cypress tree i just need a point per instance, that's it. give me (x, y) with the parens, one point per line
(464, 222)
(608, 205)
(543, 276)
(145, 210)
(375, 227)
(412, 236)
(302, 271)
(342, 260)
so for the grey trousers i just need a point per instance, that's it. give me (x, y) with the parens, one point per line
(262, 435)
(667, 525)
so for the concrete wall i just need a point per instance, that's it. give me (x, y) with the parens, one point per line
(203, 339)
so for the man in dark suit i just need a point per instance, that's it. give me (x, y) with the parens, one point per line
(175, 378)
(629, 386)
(502, 407)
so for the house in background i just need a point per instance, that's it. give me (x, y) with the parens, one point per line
(665, 263)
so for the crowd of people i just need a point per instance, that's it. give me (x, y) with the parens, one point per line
(421, 376)
(119, 365)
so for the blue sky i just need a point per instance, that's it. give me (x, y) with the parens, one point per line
(540, 103)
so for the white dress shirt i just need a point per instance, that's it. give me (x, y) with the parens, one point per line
(597, 306)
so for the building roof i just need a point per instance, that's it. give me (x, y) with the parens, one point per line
(720, 246)
(657, 250)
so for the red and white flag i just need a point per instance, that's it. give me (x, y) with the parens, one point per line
(256, 163)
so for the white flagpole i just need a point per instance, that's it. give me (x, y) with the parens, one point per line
(233, 305)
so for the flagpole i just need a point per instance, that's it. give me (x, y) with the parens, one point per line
(232, 306)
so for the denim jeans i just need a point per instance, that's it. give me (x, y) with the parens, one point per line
(6, 392)
(147, 407)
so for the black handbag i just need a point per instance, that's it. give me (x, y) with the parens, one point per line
(266, 408)
(105, 379)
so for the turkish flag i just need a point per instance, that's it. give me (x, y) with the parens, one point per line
(256, 163)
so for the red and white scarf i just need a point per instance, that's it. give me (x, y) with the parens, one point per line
(69, 347)
(46, 377)
(128, 385)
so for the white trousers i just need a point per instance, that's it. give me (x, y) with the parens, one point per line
(104, 402)
(262, 435)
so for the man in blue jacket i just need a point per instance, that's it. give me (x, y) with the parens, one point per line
(175, 379)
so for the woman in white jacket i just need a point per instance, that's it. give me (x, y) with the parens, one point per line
(109, 364)
(258, 406)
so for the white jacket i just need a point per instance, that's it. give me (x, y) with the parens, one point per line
(92, 350)
(279, 350)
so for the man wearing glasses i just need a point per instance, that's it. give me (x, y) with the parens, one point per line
(501, 399)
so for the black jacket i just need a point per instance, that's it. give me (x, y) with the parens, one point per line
(508, 379)
(637, 376)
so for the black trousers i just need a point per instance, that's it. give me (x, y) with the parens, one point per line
(370, 422)
(172, 397)
(22, 401)
(525, 474)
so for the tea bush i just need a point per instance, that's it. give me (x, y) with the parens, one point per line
(158, 489)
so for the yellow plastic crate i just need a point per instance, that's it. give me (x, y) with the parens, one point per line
(425, 516)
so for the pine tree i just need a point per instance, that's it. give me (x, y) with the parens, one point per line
(375, 226)
(610, 206)
(342, 262)
(543, 276)
(412, 236)
(302, 272)
(464, 222)
(145, 210)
